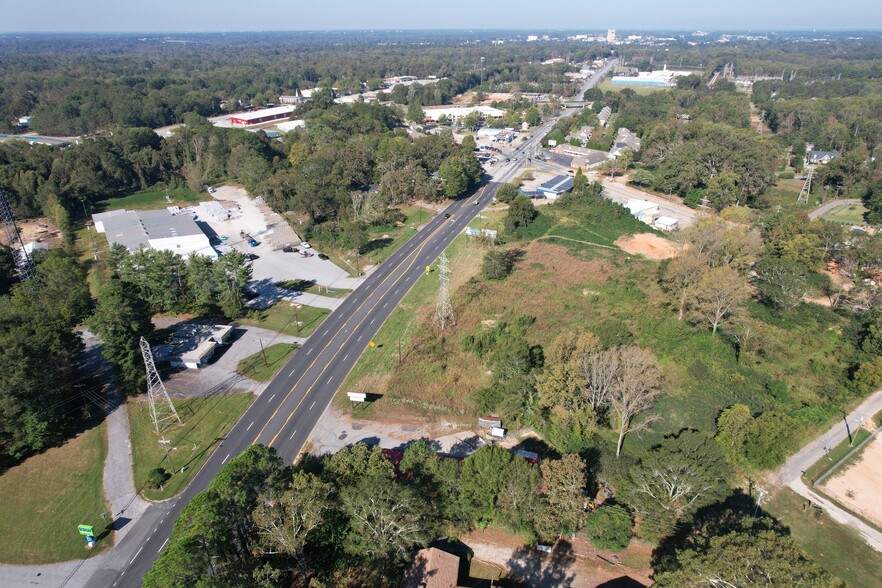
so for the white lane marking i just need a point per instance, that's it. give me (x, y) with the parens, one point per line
(163, 545)
(308, 352)
(225, 459)
(359, 338)
(311, 405)
(396, 291)
(385, 305)
(292, 372)
(329, 379)
(136, 556)
(292, 435)
(345, 356)
(271, 397)
(372, 320)
(249, 426)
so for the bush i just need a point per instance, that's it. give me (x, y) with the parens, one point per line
(157, 477)
(499, 263)
(609, 527)
(788, 175)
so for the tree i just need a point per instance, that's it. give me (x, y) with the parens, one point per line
(733, 429)
(415, 113)
(635, 391)
(231, 274)
(609, 527)
(498, 264)
(532, 116)
(484, 475)
(472, 120)
(771, 439)
(675, 479)
(868, 376)
(753, 555)
(521, 213)
(507, 192)
(682, 274)
(642, 177)
(468, 144)
(443, 119)
(283, 521)
(782, 283)
(718, 292)
(563, 483)
(121, 318)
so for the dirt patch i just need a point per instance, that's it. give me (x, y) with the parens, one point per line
(648, 245)
(38, 229)
(858, 486)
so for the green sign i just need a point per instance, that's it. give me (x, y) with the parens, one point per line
(86, 530)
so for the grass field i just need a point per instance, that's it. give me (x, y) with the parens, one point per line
(387, 239)
(310, 287)
(153, 198)
(205, 422)
(834, 455)
(282, 318)
(849, 214)
(608, 86)
(261, 367)
(47, 496)
(837, 548)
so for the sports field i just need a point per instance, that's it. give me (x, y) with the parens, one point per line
(858, 485)
(850, 214)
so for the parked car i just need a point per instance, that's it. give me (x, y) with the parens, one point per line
(288, 249)
(306, 245)
(323, 256)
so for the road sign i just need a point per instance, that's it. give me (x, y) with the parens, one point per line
(428, 268)
(357, 396)
(372, 344)
(86, 530)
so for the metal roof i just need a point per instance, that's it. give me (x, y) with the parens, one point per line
(135, 228)
(557, 184)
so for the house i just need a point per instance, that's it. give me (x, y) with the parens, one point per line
(582, 156)
(625, 139)
(820, 157)
(585, 133)
(604, 115)
(24, 121)
(666, 223)
(643, 210)
(556, 186)
(156, 229)
(432, 568)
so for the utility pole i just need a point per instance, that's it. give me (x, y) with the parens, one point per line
(161, 407)
(399, 352)
(263, 353)
(165, 443)
(443, 309)
(297, 317)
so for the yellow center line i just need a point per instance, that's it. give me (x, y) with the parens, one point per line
(331, 340)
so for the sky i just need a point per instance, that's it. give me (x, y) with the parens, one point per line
(290, 15)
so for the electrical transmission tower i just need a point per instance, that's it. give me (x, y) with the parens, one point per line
(161, 407)
(444, 310)
(24, 265)
(807, 186)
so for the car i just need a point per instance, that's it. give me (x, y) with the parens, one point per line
(477, 202)
(322, 256)
(251, 256)
(446, 215)
(306, 245)
(288, 249)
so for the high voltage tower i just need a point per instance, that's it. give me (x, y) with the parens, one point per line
(24, 265)
(444, 310)
(807, 186)
(161, 407)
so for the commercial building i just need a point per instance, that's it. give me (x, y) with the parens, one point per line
(193, 345)
(261, 116)
(666, 223)
(643, 210)
(611, 36)
(556, 186)
(156, 229)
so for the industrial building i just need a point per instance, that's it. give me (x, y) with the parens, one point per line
(454, 113)
(643, 210)
(156, 229)
(663, 78)
(261, 116)
(193, 345)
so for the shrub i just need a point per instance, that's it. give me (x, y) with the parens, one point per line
(157, 477)
(609, 527)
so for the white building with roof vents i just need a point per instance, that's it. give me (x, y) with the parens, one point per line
(157, 229)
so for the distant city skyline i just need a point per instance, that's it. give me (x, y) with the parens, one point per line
(174, 16)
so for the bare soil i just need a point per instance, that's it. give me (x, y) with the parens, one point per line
(38, 229)
(649, 245)
(859, 486)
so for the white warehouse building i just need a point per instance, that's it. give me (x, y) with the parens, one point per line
(454, 113)
(156, 229)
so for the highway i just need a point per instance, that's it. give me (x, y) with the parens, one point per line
(287, 410)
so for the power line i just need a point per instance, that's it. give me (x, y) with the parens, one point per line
(161, 407)
(24, 265)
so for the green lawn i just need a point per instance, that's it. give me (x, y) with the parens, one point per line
(310, 287)
(837, 548)
(834, 456)
(386, 239)
(153, 198)
(282, 317)
(262, 366)
(47, 496)
(205, 422)
(608, 86)
(850, 214)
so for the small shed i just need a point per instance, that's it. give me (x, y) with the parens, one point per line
(643, 210)
(666, 223)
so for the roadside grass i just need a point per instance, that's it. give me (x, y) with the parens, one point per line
(48, 495)
(282, 317)
(834, 455)
(849, 214)
(784, 194)
(485, 571)
(205, 422)
(88, 244)
(153, 198)
(262, 366)
(837, 548)
(310, 287)
(387, 239)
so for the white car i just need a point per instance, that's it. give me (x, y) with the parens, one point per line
(306, 245)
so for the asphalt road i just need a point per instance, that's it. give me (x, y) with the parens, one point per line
(292, 403)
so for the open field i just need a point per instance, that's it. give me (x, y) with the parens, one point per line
(387, 239)
(205, 422)
(837, 548)
(262, 366)
(47, 496)
(310, 287)
(858, 484)
(849, 214)
(282, 318)
(648, 245)
(153, 198)
(608, 86)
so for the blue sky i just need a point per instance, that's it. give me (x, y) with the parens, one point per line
(229, 15)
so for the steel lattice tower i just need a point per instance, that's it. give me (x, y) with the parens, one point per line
(444, 310)
(807, 186)
(24, 265)
(161, 407)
